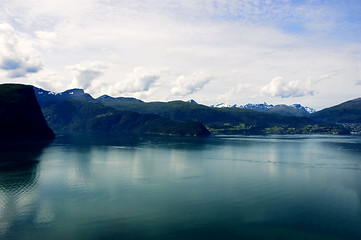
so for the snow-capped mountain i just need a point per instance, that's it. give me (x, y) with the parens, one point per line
(258, 107)
(308, 109)
(223, 105)
(192, 101)
(68, 93)
(47, 97)
(288, 110)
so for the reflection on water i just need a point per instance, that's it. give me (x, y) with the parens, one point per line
(18, 165)
(18, 178)
(86, 186)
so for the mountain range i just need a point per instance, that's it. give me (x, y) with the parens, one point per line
(75, 110)
(100, 114)
(282, 109)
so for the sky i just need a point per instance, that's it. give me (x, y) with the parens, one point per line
(212, 51)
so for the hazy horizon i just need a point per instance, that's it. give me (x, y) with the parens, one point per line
(233, 52)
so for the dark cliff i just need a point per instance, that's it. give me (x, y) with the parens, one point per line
(21, 117)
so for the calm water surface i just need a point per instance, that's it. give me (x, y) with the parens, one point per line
(224, 187)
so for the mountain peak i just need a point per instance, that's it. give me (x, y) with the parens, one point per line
(107, 98)
(282, 109)
(224, 105)
(192, 101)
(46, 97)
(74, 92)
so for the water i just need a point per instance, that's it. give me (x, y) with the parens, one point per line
(235, 187)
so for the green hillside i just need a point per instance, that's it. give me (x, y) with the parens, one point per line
(347, 112)
(230, 120)
(289, 111)
(76, 115)
(76, 110)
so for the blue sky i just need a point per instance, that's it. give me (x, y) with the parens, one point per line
(235, 52)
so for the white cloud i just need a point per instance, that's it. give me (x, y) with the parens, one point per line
(49, 80)
(259, 39)
(46, 39)
(278, 87)
(17, 57)
(140, 80)
(235, 91)
(86, 72)
(186, 85)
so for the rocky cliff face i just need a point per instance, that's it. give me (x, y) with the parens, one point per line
(20, 115)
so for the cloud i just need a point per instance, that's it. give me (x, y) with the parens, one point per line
(358, 82)
(235, 91)
(49, 80)
(140, 80)
(85, 73)
(259, 39)
(46, 39)
(278, 87)
(186, 85)
(17, 56)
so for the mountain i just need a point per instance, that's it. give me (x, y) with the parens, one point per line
(282, 109)
(85, 116)
(347, 112)
(192, 101)
(234, 120)
(106, 98)
(229, 120)
(293, 110)
(21, 117)
(77, 111)
(47, 98)
(223, 105)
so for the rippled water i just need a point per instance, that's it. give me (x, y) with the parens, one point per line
(224, 187)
